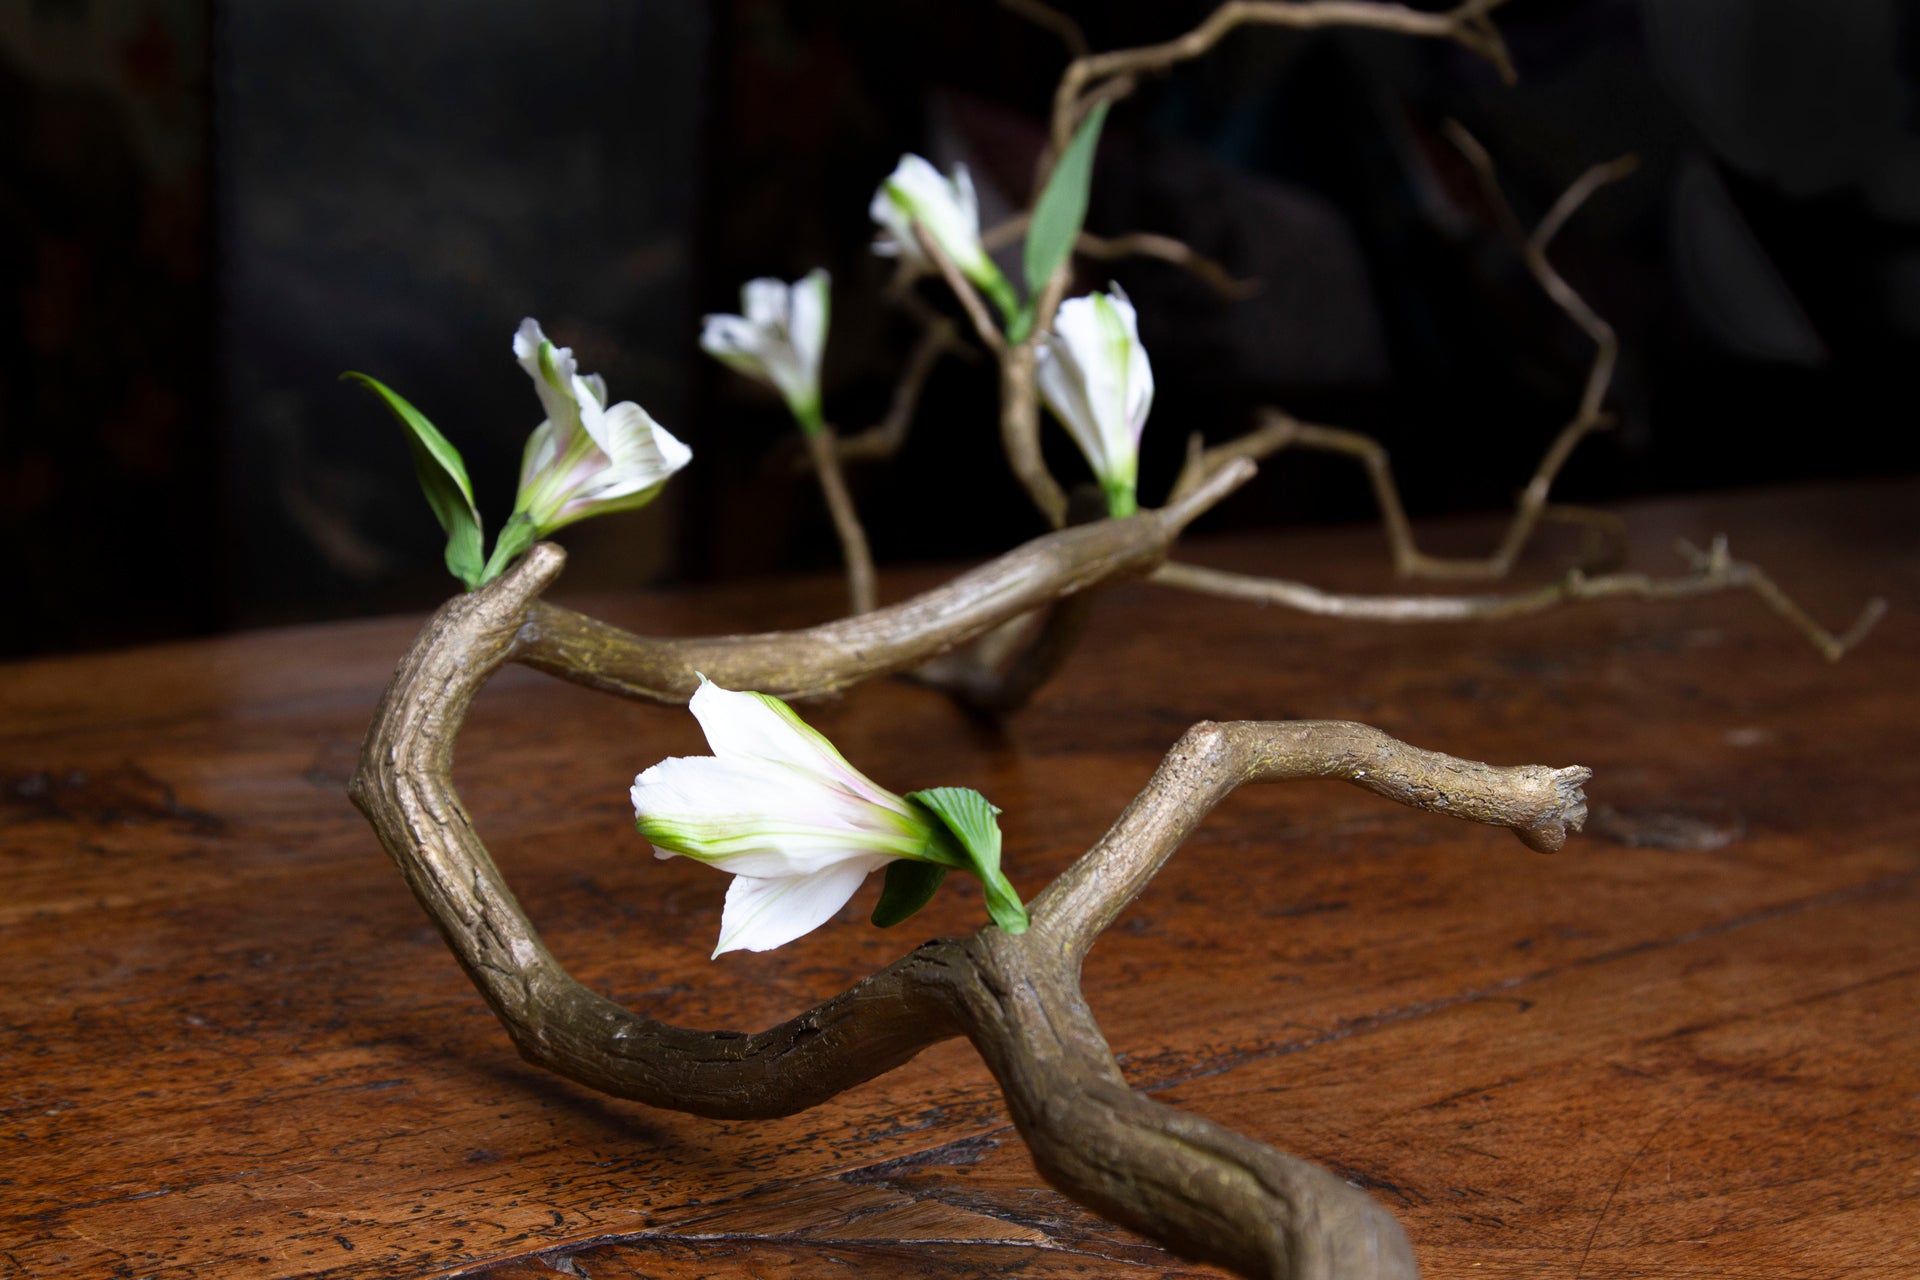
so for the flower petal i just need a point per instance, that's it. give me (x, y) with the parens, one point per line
(756, 818)
(1064, 387)
(539, 454)
(764, 301)
(762, 914)
(1095, 377)
(554, 374)
(753, 726)
(808, 313)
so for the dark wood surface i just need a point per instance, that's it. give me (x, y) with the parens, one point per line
(230, 1043)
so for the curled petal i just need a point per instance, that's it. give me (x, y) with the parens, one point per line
(554, 375)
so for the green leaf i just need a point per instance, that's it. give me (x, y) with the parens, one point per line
(909, 886)
(1061, 210)
(972, 820)
(443, 478)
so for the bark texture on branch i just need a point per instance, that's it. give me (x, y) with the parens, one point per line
(1197, 1188)
(827, 658)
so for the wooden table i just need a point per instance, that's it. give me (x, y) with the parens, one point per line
(231, 1045)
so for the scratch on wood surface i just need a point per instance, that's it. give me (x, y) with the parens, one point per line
(1606, 1206)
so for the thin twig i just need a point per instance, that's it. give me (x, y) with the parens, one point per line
(1468, 24)
(970, 300)
(1709, 572)
(884, 438)
(1146, 244)
(1278, 430)
(823, 449)
(1020, 424)
(1134, 244)
(1533, 251)
(1045, 15)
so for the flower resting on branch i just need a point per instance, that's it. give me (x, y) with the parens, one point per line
(587, 458)
(800, 829)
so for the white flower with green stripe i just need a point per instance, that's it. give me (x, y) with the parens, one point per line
(587, 458)
(779, 340)
(1094, 375)
(949, 212)
(800, 829)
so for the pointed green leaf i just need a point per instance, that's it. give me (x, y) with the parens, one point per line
(909, 886)
(972, 820)
(1061, 210)
(443, 478)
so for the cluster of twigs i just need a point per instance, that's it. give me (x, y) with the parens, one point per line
(1202, 1191)
(1091, 79)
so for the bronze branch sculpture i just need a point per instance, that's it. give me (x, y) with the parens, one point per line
(1197, 1188)
(1201, 1190)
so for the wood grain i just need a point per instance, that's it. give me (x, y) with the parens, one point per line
(231, 1045)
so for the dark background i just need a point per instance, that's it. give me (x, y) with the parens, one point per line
(212, 209)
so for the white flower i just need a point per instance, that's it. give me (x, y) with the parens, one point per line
(949, 212)
(780, 808)
(586, 458)
(780, 339)
(1095, 377)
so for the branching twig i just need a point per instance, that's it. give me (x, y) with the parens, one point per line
(1135, 244)
(1279, 431)
(1468, 24)
(1710, 572)
(884, 438)
(1201, 1190)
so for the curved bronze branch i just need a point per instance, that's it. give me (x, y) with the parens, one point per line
(1007, 666)
(1537, 803)
(823, 659)
(404, 786)
(1199, 1189)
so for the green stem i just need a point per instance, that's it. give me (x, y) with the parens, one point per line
(516, 536)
